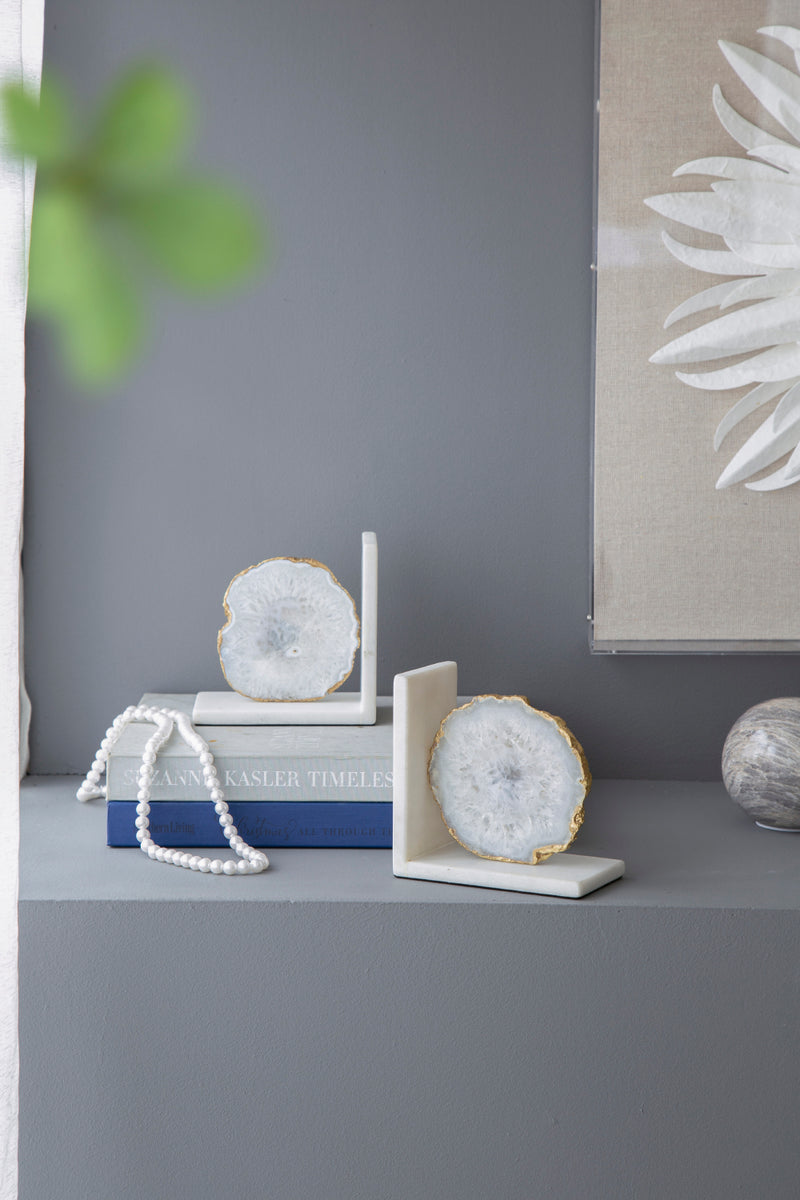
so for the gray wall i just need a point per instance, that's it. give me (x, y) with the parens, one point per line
(417, 362)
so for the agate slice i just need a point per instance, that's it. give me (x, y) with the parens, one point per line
(509, 779)
(292, 631)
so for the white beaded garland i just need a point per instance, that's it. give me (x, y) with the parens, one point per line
(251, 862)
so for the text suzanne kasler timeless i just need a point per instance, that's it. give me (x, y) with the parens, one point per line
(306, 780)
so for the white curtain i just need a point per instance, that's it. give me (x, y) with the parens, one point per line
(21, 29)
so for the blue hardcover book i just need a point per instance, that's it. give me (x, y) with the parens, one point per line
(363, 824)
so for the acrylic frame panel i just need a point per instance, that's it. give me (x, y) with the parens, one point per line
(680, 564)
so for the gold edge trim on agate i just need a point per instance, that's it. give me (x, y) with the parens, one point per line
(311, 562)
(576, 820)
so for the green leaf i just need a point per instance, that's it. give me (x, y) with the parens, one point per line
(202, 236)
(38, 126)
(101, 335)
(61, 249)
(78, 284)
(143, 125)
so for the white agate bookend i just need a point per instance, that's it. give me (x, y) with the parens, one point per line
(290, 643)
(423, 848)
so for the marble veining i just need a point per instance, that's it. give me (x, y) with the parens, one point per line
(761, 762)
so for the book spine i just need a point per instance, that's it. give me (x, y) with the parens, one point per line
(357, 780)
(261, 823)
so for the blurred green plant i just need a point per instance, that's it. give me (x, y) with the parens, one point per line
(116, 209)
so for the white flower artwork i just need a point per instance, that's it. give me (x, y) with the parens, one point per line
(753, 206)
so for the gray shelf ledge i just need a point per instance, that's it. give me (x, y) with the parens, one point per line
(684, 844)
(325, 1031)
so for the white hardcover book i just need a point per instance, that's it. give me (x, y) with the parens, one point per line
(264, 762)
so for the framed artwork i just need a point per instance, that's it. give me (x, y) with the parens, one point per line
(696, 530)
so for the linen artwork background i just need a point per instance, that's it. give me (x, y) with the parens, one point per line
(677, 563)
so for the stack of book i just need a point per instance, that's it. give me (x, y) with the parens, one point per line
(285, 785)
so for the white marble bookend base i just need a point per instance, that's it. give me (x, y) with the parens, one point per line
(229, 708)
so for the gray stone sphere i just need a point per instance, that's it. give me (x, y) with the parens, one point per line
(761, 763)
